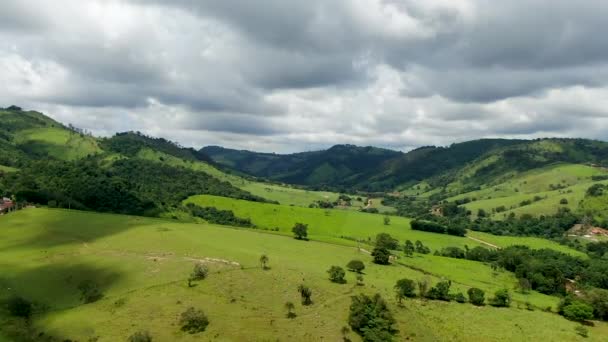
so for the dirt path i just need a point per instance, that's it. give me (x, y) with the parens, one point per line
(483, 242)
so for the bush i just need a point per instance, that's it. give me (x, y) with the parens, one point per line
(355, 266)
(193, 321)
(306, 294)
(563, 201)
(140, 336)
(459, 297)
(428, 226)
(502, 298)
(476, 296)
(578, 311)
(371, 319)
(89, 291)
(384, 240)
(405, 288)
(19, 307)
(200, 272)
(289, 306)
(440, 291)
(582, 331)
(336, 274)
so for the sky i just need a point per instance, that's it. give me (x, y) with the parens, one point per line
(291, 75)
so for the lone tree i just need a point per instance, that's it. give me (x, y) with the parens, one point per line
(387, 220)
(306, 294)
(371, 319)
(408, 248)
(381, 256)
(140, 336)
(476, 296)
(502, 298)
(289, 306)
(355, 266)
(405, 288)
(199, 272)
(264, 261)
(193, 321)
(300, 231)
(336, 274)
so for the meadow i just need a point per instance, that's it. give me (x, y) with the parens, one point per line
(141, 266)
(57, 142)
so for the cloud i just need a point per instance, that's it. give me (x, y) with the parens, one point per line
(278, 75)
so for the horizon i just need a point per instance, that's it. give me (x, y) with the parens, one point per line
(286, 76)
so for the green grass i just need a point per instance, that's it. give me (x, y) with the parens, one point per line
(141, 266)
(532, 242)
(327, 225)
(57, 142)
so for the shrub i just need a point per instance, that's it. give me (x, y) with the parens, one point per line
(384, 240)
(140, 336)
(371, 319)
(359, 280)
(306, 294)
(193, 321)
(19, 307)
(336, 274)
(428, 226)
(582, 331)
(578, 311)
(387, 220)
(355, 266)
(459, 297)
(476, 296)
(289, 306)
(422, 249)
(264, 261)
(502, 298)
(200, 272)
(563, 201)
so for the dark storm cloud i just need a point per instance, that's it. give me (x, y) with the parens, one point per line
(313, 73)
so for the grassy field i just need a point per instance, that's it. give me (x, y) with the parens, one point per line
(141, 265)
(532, 242)
(57, 142)
(328, 225)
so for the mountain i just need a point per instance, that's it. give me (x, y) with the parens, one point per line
(336, 166)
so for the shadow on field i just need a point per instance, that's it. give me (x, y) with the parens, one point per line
(54, 227)
(53, 288)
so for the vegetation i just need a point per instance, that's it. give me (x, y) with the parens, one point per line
(193, 321)
(371, 318)
(356, 266)
(337, 274)
(405, 288)
(140, 336)
(300, 231)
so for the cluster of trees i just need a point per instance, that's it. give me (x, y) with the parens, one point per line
(371, 318)
(406, 288)
(435, 227)
(127, 186)
(385, 243)
(216, 216)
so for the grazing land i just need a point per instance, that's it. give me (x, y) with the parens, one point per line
(141, 266)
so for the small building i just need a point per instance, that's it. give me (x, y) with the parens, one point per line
(6, 204)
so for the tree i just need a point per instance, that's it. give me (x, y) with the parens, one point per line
(355, 266)
(306, 294)
(578, 311)
(563, 201)
(336, 274)
(19, 307)
(405, 288)
(140, 336)
(459, 297)
(300, 231)
(387, 220)
(289, 306)
(381, 256)
(476, 296)
(193, 321)
(408, 248)
(481, 213)
(502, 298)
(523, 284)
(371, 319)
(264, 261)
(384, 240)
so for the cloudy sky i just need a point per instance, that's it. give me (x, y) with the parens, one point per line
(293, 75)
